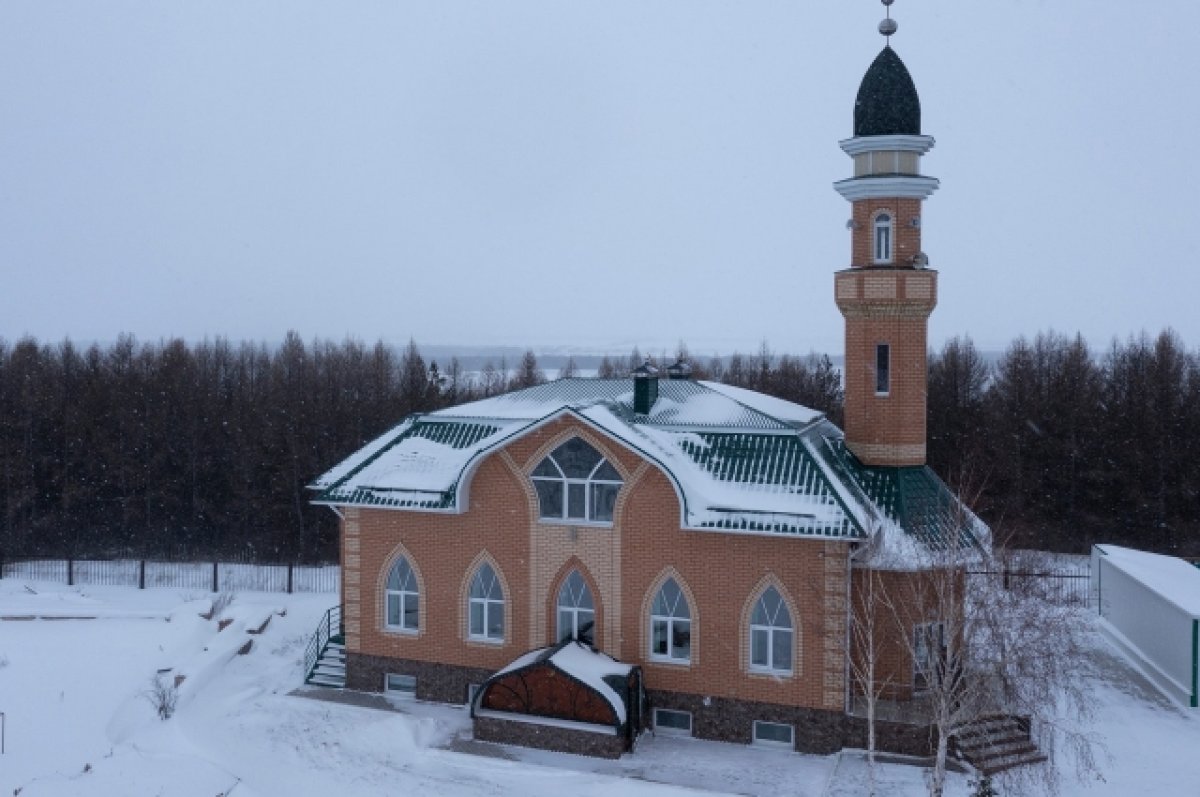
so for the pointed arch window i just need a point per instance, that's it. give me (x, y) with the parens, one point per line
(402, 598)
(486, 606)
(671, 624)
(576, 609)
(884, 229)
(576, 483)
(771, 634)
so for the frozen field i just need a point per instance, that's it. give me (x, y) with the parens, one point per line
(73, 679)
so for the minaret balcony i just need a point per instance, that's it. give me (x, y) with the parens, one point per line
(886, 292)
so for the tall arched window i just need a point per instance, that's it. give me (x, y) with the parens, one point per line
(883, 238)
(486, 606)
(403, 597)
(575, 483)
(670, 624)
(576, 610)
(771, 634)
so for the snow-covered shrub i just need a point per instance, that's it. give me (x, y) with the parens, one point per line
(163, 695)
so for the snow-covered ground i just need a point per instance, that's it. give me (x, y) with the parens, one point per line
(76, 720)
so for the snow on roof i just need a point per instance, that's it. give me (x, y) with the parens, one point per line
(582, 662)
(786, 411)
(1169, 576)
(741, 461)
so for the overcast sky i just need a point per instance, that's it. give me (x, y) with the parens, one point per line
(591, 174)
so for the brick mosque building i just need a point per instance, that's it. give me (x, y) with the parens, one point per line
(588, 558)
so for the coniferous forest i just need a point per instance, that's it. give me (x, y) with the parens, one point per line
(205, 449)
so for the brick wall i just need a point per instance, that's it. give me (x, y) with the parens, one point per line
(624, 564)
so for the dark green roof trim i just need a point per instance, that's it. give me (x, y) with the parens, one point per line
(913, 497)
(887, 103)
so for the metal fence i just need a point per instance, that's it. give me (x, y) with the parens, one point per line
(1064, 586)
(209, 576)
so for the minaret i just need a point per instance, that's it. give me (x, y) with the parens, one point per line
(887, 293)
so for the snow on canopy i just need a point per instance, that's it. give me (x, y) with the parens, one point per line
(740, 461)
(1171, 577)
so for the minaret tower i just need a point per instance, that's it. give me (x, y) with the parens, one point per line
(888, 292)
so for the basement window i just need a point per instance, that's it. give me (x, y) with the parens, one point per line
(398, 685)
(668, 721)
(775, 734)
(883, 369)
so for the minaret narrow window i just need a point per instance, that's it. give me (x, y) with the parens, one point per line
(883, 238)
(883, 369)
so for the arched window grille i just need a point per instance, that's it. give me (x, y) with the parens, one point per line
(576, 483)
(671, 624)
(771, 634)
(883, 238)
(403, 597)
(576, 609)
(486, 605)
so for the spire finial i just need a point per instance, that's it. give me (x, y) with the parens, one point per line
(888, 26)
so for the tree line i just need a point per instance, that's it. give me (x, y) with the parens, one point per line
(175, 448)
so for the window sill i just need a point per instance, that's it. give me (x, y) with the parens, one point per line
(568, 522)
(396, 630)
(882, 395)
(764, 672)
(682, 663)
(485, 640)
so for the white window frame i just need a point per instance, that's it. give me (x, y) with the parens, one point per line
(401, 595)
(488, 604)
(670, 622)
(773, 631)
(884, 349)
(790, 744)
(671, 730)
(579, 615)
(588, 484)
(883, 238)
(402, 692)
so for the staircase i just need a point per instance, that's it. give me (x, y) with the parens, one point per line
(325, 658)
(994, 744)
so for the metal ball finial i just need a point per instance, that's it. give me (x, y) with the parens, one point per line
(889, 25)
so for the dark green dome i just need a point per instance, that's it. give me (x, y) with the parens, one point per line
(887, 102)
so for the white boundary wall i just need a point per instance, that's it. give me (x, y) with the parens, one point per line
(1152, 603)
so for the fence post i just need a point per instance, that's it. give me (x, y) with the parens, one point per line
(290, 566)
(70, 572)
(142, 574)
(215, 577)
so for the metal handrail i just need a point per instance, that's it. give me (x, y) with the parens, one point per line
(329, 627)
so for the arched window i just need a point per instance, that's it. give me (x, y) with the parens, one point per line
(576, 610)
(486, 606)
(883, 238)
(403, 597)
(576, 483)
(771, 634)
(671, 624)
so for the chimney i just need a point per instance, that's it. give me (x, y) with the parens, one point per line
(645, 388)
(679, 370)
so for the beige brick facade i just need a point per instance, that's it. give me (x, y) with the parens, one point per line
(624, 563)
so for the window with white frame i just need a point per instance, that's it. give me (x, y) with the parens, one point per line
(777, 734)
(884, 228)
(576, 609)
(670, 625)
(400, 685)
(929, 654)
(576, 483)
(669, 721)
(771, 634)
(883, 369)
(402, 598)
(486, 606)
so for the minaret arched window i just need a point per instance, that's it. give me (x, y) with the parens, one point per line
(576, 483)
(884, 230)
(576, 609)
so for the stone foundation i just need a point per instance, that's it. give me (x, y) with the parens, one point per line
(816, 731)
(597, 744)
(440, 683)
